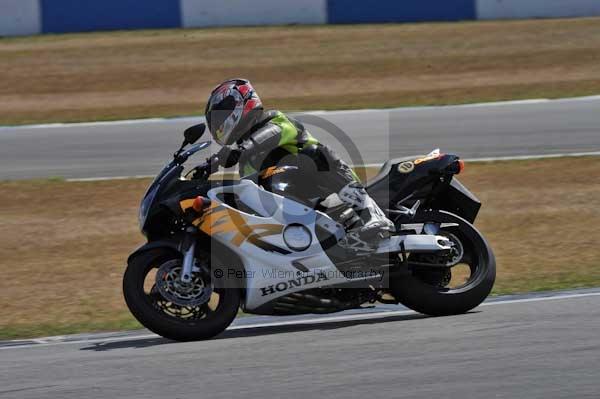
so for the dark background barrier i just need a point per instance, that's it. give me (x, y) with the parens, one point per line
(60, 16)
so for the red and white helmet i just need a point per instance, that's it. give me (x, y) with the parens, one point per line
(232, 109)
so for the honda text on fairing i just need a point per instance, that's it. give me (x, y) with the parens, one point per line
(215, 246)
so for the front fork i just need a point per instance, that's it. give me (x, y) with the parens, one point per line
(188, 248)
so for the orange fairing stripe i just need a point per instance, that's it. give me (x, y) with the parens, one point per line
(427, 158)
(270, 171)
(185, 204)
(218, 219)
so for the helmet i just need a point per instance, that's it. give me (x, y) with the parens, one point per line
(232, 109)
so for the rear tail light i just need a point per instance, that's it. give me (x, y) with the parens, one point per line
(455, 167)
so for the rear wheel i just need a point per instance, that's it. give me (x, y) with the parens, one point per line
(460, 282)
(156, 297)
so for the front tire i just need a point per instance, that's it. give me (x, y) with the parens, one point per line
(165, 319)
(426, 290)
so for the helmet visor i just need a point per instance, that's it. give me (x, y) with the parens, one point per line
(222, 119)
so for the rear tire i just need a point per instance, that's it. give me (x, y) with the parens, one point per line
(144, 306)
(412, 289)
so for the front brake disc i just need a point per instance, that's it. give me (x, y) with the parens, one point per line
(172, 289)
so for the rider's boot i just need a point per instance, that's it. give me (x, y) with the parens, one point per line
(366, 222)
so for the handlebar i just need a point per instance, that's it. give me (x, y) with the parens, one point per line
(203, 171)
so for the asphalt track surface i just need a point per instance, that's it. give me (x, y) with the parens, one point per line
(535, 347)
(474, 131)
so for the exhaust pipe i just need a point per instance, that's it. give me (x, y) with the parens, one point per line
(416, 243)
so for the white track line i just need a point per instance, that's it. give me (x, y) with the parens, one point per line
(84, 179)
(377, 165)
(195, 119)
(190, 119)
(517, 157)
(46, 341)
(436, 107)
(541, 156)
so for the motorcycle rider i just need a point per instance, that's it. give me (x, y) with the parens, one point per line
(257, 139)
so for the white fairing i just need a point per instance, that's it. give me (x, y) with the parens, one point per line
(274, 269)
(270, 274)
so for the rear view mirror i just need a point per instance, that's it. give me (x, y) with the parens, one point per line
(193, 133)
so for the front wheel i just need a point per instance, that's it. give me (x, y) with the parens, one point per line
(462, 285)
(156, 297)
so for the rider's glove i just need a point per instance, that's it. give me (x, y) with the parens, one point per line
(228, 156)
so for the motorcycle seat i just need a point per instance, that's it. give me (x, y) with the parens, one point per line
(385, 170)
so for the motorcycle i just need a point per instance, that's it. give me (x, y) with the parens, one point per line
(217, 246)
